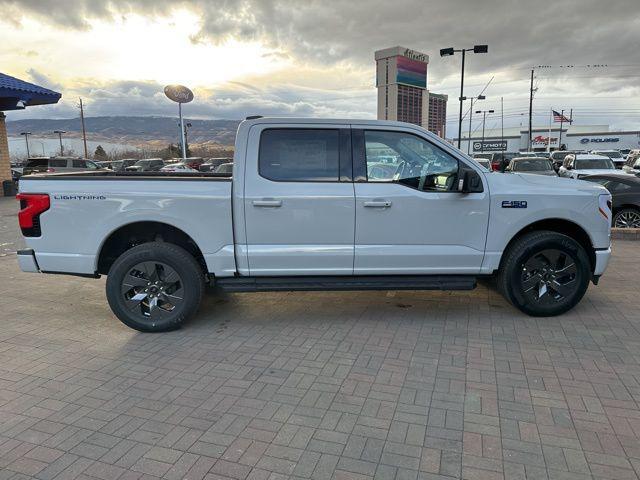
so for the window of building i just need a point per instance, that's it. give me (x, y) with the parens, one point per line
(410, 104)
(408, 159)
(299, 155)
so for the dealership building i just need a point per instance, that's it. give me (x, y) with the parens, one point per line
(401, 80)
(573, 137)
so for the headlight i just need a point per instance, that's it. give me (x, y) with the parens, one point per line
(604, 205)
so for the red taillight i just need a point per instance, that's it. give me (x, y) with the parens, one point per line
(31, 206)
(51, 170)
(495, 166)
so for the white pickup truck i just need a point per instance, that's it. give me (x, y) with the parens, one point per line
(318, 205)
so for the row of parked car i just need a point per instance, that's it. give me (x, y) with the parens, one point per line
(618, 173)
(74, 164)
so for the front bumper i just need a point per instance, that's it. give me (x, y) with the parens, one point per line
(27, 261)
(602, 260)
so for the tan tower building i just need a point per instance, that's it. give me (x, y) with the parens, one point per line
(401, 80)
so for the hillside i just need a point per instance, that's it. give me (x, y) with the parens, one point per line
(131, 130)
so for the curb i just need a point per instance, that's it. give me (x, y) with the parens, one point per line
(625, 233)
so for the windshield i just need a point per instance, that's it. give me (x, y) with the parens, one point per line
(593, 163)
(611, 154)
(532, 165)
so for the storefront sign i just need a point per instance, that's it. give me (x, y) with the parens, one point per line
(600, 140)
(541, 140)
(490, 146)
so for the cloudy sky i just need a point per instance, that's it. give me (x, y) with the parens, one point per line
(315, 57)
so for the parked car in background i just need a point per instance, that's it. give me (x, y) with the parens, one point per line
(625, 190)
(500, 160)
(147, 165)
(177, 167)
(527, 154)
(122, 164)
(485, 162)
(58, 165)
(210, 164)
(557, 157)
(535, 165)
(582, 164)
(632, 163)
(614, 155)
(226, 168)
(192, 162)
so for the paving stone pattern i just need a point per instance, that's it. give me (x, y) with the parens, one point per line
(376, 385)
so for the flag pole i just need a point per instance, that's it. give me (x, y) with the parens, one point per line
(560, 137)
(549, 139)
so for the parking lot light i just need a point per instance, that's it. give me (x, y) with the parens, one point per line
(447, 52)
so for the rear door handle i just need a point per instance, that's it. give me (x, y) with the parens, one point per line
(378, 203)
(267, 203)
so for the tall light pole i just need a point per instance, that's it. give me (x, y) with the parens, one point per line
(479, 97)
(484, 118)
(446, 52)
(60, 132)
(26, 140)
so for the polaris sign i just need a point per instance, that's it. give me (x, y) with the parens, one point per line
(600, 140)
(490, 146)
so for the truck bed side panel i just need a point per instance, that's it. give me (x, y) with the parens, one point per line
(85, 212)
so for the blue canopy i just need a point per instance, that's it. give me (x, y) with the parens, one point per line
(17, 94)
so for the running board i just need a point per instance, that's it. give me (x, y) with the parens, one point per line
(344, 283)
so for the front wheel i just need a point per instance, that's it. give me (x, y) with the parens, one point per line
(155, 286)
(544, 273)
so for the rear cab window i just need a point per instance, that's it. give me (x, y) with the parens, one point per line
(300, 155)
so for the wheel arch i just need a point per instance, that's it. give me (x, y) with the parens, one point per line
(558, 225)
(136, 233)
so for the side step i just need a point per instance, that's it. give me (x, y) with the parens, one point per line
(343, 283)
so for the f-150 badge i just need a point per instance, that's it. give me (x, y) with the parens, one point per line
(514, 204)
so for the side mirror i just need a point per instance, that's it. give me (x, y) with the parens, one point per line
(469, 181)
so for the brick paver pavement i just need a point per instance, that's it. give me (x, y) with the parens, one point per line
(384, 385)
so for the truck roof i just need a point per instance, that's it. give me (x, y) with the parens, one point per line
(323, 121)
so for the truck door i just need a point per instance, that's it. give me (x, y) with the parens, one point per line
(410, 218)
(299, 200)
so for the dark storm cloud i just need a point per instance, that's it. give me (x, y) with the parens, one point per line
(519, 32)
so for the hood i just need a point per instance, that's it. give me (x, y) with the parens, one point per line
(546, 184)
(594, 171)
(547, 173)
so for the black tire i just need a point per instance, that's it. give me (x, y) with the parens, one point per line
(154, 287)
(544, 273)
(626, 218)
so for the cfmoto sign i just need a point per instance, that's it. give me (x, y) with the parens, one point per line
(600, 140)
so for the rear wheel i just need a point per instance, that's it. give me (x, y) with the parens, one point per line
(544, 273)
(627, 218)
(154, 287)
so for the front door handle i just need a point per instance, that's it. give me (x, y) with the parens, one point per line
(378, 203)
(267, 203)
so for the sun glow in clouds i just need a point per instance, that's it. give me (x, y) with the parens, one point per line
(133, 47)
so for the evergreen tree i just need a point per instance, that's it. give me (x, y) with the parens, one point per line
(100, 154)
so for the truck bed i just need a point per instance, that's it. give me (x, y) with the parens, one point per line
(86, 209)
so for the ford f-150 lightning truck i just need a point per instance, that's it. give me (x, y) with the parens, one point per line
(318, 205)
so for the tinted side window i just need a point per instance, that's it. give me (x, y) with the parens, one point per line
(408, 159)
(299, 155)
(38, 162)
(58, 162)
(78, 163)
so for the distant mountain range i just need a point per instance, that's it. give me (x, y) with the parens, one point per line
(131, 130)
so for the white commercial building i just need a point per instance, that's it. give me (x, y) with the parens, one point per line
(573, 137)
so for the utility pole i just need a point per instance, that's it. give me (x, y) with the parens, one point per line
(530, 110)
(84, 132)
